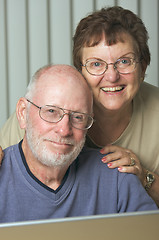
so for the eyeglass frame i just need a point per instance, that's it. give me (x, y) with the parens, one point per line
(114, 64)
(64, 113)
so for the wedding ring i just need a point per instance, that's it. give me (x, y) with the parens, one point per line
(132, 162)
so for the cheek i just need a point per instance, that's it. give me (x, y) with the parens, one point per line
(79, 135)
(93, 81)
(133, 84)
(138, 75)
(39, 126)
(136, 80)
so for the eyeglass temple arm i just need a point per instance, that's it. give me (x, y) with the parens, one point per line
(33, 104)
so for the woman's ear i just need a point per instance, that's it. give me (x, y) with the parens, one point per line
(21, 111)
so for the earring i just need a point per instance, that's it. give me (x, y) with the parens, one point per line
(142, 79)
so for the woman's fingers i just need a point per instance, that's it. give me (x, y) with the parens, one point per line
(123, 159)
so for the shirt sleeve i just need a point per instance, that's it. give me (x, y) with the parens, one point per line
(132, 196)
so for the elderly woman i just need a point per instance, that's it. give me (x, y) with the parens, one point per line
(111, 51)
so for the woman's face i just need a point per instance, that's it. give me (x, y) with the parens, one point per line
(112, 90)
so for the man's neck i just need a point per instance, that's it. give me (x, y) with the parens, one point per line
(50, 176)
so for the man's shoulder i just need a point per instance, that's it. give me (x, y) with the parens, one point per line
(11, 148)
(90, 159)
(90, 152)
(10, 151)
(9, 162)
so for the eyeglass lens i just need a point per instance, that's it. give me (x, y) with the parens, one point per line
(54, 114)
(123, 65)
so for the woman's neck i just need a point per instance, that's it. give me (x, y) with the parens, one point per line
(109, 125)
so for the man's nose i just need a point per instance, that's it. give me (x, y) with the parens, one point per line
(64, 126)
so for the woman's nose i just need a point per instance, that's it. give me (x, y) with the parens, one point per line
(111, 73)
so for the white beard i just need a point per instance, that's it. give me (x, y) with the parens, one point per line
(47, 157)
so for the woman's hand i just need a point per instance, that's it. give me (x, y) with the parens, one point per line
(1, 155)
(123, 159)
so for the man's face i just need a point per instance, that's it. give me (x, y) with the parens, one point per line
(56, 144)
(45, 155)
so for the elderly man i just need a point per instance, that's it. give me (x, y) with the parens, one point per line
(45, 175)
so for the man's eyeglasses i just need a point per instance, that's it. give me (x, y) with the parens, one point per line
(123, 65)
(53, 114)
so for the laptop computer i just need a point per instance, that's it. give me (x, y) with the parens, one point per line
(129, 226)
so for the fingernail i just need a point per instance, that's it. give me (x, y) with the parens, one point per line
(109, 164)
(101, 151)
(104, 159)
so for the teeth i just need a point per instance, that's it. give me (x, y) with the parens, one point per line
(112, 89)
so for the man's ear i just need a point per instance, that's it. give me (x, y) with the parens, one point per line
(21, 111)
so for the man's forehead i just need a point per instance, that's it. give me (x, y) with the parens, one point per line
(63, 90)
(62, 97)
(61, 86)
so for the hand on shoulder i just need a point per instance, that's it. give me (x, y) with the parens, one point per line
(123, 159)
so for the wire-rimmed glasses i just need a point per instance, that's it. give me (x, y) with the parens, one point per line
(124, 65)
(54, 114)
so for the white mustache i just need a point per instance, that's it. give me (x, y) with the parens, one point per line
(61, 140)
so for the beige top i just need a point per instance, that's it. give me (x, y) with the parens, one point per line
(141, 136)
(11, 133)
